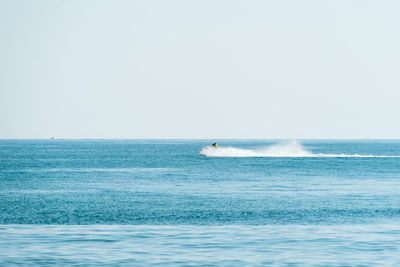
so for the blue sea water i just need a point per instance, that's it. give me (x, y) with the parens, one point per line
(160, 202)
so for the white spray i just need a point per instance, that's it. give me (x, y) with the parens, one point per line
(286, 149)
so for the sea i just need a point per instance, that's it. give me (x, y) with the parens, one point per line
(187, 203)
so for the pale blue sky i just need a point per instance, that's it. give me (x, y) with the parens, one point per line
(199, 69)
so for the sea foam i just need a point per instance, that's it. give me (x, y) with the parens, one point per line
(284, 149)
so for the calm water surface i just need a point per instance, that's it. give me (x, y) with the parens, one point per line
(141, 202)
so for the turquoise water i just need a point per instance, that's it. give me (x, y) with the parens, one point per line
(249, 202)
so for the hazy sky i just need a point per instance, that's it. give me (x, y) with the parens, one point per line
(199, 69)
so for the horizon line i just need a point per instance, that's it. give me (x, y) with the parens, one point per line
(271, 139)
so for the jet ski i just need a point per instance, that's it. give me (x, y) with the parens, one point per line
(215, 145)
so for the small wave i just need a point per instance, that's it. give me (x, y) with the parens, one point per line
(287, 149)
(84, 170)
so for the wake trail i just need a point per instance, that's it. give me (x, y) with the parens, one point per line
(286, 149)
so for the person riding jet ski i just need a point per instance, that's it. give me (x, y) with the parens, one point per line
(215, 145)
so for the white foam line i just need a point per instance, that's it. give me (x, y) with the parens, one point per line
(288, 149)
